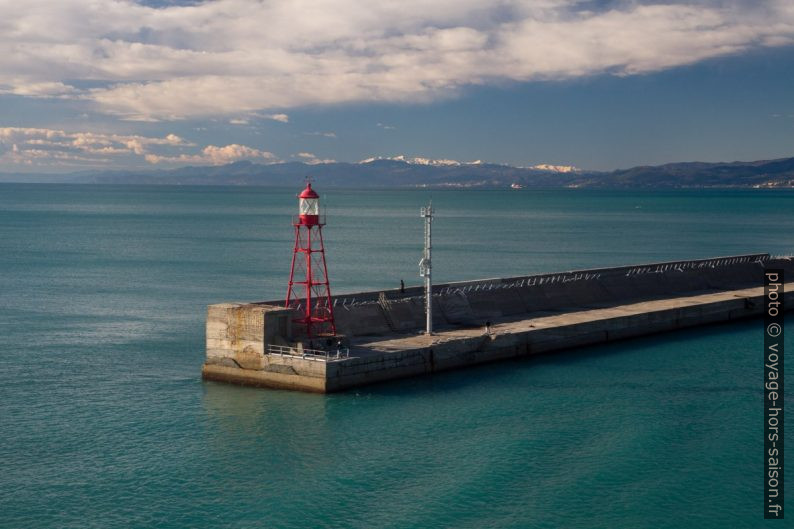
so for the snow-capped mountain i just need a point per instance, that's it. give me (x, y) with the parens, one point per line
(555, 168)
(418, 160)
(446, 162)
(422, 172)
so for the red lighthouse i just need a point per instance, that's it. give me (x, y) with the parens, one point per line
(308, 292)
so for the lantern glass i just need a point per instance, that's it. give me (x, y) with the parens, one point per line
(309, 206)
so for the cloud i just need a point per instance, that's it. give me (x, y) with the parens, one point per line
(311, 159)
(327, 134)
(215, 58)
(51, 147)
(46, 146)
(40, 89)
(214, 155)
(283, 118)
(386, 127)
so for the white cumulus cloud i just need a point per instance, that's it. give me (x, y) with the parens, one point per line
(233, 57)
(214, 155)
(52, 147)
(323, 134)
(283, 118)
(37, 146)
(311, 159)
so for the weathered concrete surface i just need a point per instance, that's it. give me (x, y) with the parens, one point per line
(282, 372)
(475, 302)
(401, 356)
(236, 333)
(395, 357)
(529, 317)
(264, 378)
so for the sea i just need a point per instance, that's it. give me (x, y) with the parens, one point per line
(106, 423)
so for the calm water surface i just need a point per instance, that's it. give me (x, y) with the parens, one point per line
(106, 424)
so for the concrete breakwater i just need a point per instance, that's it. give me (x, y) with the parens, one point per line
(255, 343)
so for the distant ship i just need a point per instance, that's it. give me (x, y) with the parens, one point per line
(516, 186)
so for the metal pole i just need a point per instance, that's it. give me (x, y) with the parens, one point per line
(425, 266)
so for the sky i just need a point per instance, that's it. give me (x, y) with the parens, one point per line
(87, 84)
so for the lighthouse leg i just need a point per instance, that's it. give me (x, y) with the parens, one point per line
(330, 306)
(292, 266)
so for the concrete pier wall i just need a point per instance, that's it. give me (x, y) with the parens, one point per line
(475, 302)
(529, 315)
(550, 334)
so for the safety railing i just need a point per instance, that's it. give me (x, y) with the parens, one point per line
(308, 354)
(370, 298)
(551, 279)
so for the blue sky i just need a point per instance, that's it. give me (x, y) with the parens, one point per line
(598, 85)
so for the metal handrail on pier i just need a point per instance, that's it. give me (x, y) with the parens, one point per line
(319, 355)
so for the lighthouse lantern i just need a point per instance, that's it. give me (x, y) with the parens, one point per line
(309, 206)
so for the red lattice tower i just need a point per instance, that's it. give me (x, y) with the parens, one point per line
(309, 292)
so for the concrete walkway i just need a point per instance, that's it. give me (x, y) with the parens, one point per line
(366, 346)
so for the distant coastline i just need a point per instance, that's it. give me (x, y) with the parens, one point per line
(381, 173)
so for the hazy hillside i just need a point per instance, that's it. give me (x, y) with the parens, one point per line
(399, 173)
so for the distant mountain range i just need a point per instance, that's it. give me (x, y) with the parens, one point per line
(422, 172)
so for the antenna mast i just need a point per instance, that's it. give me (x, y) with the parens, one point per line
(425, 266)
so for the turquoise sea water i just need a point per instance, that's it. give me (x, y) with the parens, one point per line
(104, 422)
